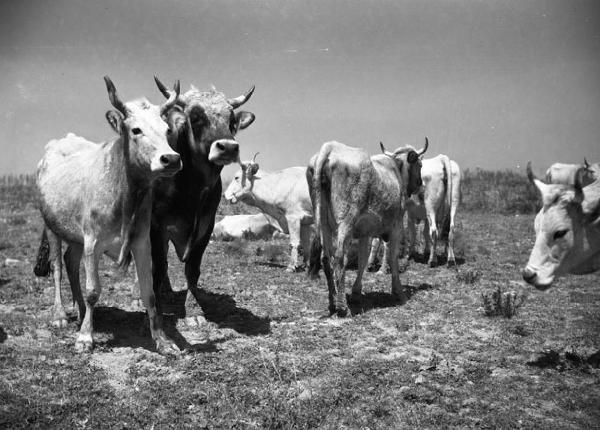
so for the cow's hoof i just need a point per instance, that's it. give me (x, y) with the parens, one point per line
(84, 344)
(432, 263)
(371, 268)
(194, 321)
(400, 296)
(452, 264)
(60, 322)
(342, 312)
(355, 299)
(137, 306)
(165, 346)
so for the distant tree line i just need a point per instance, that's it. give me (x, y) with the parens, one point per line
(501, 191)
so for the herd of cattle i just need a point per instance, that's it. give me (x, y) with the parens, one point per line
(158, 182)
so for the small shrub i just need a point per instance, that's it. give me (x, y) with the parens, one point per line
(468, 276)
(275, 253)
(501, 303)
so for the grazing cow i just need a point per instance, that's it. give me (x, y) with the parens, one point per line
(185, 205)
(355, 195)
(436, 205)
(567, 230)
(284, 196)
(561, 173)
(257, 226)
(98, 199)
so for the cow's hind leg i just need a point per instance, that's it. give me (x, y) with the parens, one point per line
(372, 260)
(91, 258)
(363, 254)
(72, 260)
(305, 239)
(294, 229)
(59, 316)
(339, 269)
(397, 289)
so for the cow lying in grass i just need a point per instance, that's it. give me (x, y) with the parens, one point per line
(567, 232)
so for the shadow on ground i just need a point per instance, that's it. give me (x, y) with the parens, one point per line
(220, 309)
(378, 299)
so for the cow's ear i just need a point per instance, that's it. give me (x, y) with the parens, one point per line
(243, 119)
(115, 119)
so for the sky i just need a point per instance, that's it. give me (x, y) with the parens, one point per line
(492, 84)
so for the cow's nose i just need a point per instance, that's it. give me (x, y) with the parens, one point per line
(227, 145)
(528, 275)
(170, 161)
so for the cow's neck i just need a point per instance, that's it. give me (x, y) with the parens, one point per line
(262, 195)
(134, 196)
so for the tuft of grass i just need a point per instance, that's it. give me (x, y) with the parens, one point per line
(275, 253)
(498, 302)
(468, 276)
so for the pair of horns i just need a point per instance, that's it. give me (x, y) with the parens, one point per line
(234, 102)
(419, 153)
(116, 101)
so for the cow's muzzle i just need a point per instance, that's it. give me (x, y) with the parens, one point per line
(224, 151)
(530, 276)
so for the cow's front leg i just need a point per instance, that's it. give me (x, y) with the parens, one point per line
(393, 246)
(306, 232)
(143, 267)
(294, 228)
(91, 257)
(59, 316)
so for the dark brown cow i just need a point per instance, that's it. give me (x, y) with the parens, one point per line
(185, 205)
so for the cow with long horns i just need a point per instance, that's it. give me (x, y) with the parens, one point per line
(567, 231)
(98, 199)
(205, 124)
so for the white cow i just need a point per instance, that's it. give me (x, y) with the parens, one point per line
(98, 199)
(282, 195)
(259, 226)
(436, 205)
(567, 232)
(561, 173)
(358, 196)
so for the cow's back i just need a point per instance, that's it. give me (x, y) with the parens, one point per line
(69, 180)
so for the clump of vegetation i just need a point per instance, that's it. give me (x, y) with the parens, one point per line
(501, 303)
(468, 276)
(275, 253)
(502, 191)
(236, 248)
(249, 235)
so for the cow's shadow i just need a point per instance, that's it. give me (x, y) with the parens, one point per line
(4, 281)
(220, 309)
(379, 299)
(131, 329)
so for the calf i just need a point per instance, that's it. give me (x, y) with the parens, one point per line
(257, 226)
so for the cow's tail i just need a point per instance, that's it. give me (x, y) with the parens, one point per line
(317, 181)
(447, 221)
(42, 263)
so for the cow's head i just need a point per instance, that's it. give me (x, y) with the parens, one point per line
(560, 244)
(144, 134)
(210, 123)
(241, 186)
(590, 173)
(408, 160)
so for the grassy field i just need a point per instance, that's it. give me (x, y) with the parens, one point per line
(267, 358)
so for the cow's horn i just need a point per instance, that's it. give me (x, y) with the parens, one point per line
(114, 97)
(254, 158)
(422, 151)
(578, 187)
(585, 163)
(530, 174)
(173, 96)
(238, 101)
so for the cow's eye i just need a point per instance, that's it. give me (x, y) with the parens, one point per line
(560, 233)
(136, 130)
(237, 178)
